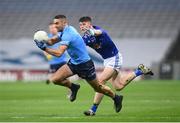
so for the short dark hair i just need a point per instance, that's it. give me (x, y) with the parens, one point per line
(85, 19)
(51, 23)
(60, 17)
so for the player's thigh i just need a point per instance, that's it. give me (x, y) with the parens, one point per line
(107, 74)
(112, 67)
(61, 74)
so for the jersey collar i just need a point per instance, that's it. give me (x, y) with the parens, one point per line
(65, 28)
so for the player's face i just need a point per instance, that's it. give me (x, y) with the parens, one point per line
(84, 26)
(52, 29)
(59, 24)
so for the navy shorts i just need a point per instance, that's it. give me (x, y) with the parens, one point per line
(84, 70)
(54, 67)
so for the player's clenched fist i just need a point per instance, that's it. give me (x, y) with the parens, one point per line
(41, 44)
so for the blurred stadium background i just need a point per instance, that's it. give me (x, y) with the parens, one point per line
(146, 31)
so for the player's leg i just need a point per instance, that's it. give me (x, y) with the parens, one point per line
(87, 71)
(108, 92)
(60, 78)
(52, 69)
(107, 73)
(111, 64)
(119, 82)
(110, 69)
(103, 78)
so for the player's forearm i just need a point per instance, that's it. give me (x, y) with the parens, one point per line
(95, 32)
(54, 52)
(53, 40)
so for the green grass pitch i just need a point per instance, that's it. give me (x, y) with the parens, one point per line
(143, 101)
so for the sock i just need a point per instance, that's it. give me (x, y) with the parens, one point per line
(72, 86)
(138, 72)
(94, 107)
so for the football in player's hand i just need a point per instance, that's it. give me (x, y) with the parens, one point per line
(41, 36)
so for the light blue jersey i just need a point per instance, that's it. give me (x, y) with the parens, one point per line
(76, 46)
(53, 59)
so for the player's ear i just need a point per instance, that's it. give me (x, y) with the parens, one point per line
(65, 21)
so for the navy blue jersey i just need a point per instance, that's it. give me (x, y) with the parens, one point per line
(102, 44)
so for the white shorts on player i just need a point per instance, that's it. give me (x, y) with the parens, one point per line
(114, 62)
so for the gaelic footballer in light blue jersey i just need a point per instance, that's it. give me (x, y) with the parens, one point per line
(80, 63)
(99, 40)
(55, 62)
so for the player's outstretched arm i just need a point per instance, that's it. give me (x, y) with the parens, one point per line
(95, 32)
(56, 52)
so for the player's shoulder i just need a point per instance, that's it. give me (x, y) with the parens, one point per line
(71, 28)
(70, 33)
(67, 30)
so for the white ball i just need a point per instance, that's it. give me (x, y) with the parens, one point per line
(41, 36)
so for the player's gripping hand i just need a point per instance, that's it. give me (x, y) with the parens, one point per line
(90, 32)
(41, 44)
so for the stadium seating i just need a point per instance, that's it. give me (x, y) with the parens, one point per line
(122, 18)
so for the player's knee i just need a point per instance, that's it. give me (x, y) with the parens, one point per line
(101, 89)
(119, 88)
(54, 80)
(98, 89)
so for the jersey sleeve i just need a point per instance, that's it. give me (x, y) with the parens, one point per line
(66, 40)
